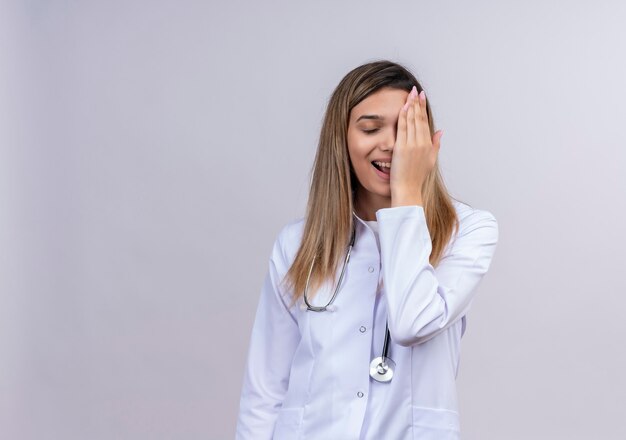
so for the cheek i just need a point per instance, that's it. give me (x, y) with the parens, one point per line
(353, 151)
(357, 148)
(351, 143)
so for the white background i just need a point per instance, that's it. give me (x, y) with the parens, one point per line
(151, 151)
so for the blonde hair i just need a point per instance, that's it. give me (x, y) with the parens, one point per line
(329, 218)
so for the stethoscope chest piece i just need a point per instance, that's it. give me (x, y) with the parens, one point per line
(381, 369)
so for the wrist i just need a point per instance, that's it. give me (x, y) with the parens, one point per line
(406, 200)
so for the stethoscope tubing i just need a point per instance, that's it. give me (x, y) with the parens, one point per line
(386, 343)
(343, 271)
(380, 370)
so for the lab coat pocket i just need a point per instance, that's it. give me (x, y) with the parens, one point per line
(435, 424)
(288, 423)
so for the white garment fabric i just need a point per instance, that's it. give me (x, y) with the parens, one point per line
(374, 226)
(307, 373)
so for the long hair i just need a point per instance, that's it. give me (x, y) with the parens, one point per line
(329, 218)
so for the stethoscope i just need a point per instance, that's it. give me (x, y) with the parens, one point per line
(381, 368)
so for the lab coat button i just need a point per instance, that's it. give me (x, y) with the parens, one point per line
(360, 394)
(371, 269)
(362, 329)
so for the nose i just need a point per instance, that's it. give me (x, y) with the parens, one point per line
(389, 141)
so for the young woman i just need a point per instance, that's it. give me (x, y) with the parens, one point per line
(362, 311)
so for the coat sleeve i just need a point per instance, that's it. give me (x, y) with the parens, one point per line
(275, 336)
(423, 301)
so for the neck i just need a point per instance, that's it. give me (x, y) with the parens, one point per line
(366, 204)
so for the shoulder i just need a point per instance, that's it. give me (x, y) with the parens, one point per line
(469, 215)
(479, 223)
(288, 240)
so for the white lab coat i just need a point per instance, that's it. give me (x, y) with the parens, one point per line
(307, 373)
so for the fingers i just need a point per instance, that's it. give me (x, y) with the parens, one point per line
(437, 139)
(423, 130)
(410, 120)
(401, 136)
(413, 127)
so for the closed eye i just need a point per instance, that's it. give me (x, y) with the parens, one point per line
(370, 131)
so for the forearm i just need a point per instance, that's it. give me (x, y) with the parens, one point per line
(422, 300)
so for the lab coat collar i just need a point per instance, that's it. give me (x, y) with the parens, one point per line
(363, 222)
(359, 218)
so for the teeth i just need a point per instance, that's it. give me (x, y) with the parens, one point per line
(383, 164)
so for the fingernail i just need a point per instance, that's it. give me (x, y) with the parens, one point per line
(405, 107)
(423, 95)
(414, 91)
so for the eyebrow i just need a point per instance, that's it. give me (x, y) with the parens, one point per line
(377, 117)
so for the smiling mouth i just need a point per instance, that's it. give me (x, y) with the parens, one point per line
(381, 169)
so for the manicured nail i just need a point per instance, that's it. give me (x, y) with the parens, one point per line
(413, 91)
(423, 96)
